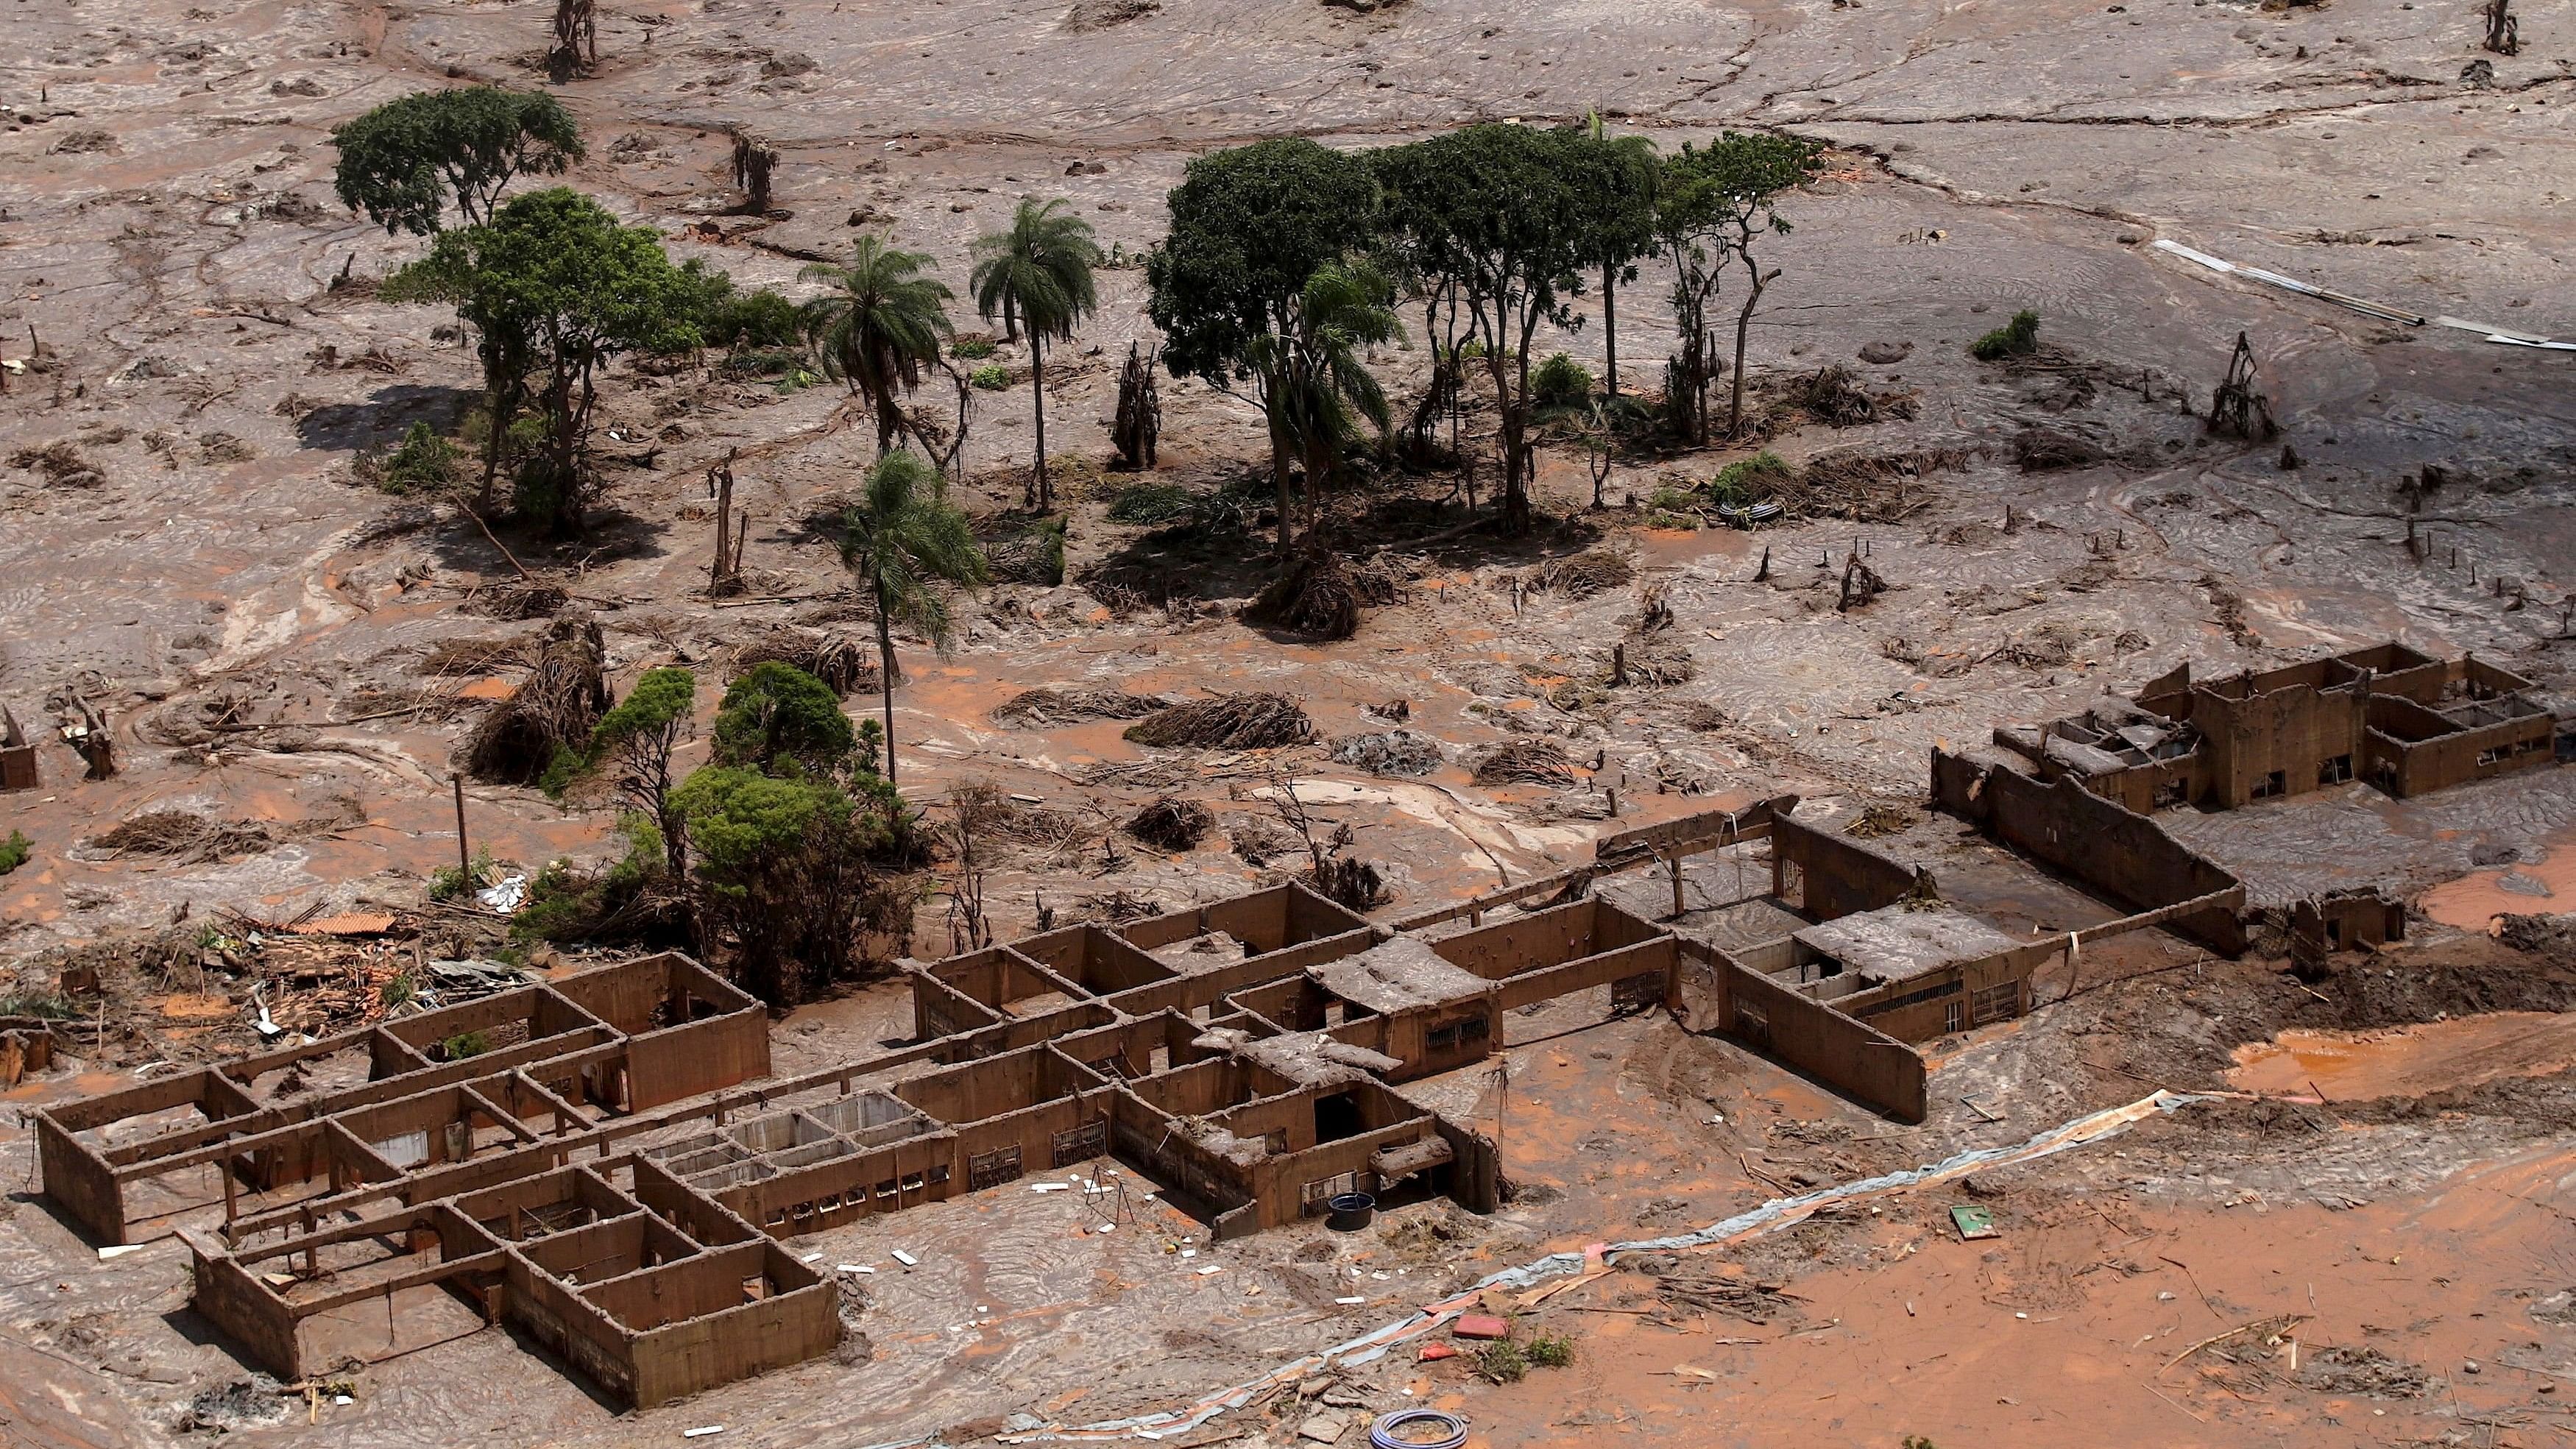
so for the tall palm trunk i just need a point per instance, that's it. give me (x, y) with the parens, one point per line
(1279, 476)
(885, 676)
(1041, 494)
(1610, 327)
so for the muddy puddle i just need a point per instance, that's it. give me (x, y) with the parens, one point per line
(2409, 1061)
(2546, 886)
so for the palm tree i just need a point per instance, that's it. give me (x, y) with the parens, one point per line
(902, 535)
(1037, 276)
(1314, 374)
(879, 326)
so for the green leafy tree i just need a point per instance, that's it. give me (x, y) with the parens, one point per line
(778, 719)
(1250, 229)
(639, 736)
(557, 288)
(1498, 212)
(401, 162)
(1037, 277)
(903, 539)
(879, 326)
(789, 870)
(1618, 176)
(1315, 374)
(1714, 204)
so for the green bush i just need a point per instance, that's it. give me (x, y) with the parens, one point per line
(1560, 382)
(1502, 1362)
(779, 713)
(2017, 338)
(464, 1044)
(456, 882)
(973, 349)
(993, 377)
(1149, 503)
(628, 900)
(14, 851)
(423, 463)
(1546, 1351)
(51, 1005)
(761, 318)
(1747, 480)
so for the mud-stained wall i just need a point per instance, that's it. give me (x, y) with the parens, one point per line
(1847, 1055)
(2286, 741)
(235, 1302)
(1841, 877)
(2114, 852)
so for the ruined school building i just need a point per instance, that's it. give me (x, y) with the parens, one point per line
(603, 1159)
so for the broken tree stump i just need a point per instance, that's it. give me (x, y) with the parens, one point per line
(2504, 31)
(575, 51)
(752, 162)
(2236, 407)
(1140, 410)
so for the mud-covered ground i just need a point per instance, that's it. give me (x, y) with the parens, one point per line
(204, 563)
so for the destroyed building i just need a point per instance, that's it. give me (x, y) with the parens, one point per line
(2401, 720)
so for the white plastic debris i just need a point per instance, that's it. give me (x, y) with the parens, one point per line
(505, 898)
(853, 1268)
(1211, 1268)
(810, 1257)
(702, 1431)
(1189, 1252)
(906, 1259)
(1050, 1187)
(1354, 1298)
(119, 1251)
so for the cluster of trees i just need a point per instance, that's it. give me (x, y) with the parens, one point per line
(1285, 258)
(555, 288)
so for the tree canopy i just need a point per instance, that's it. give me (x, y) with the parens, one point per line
(556, 286)
(904, 538)
(779, 718)
(1500, 211)
(879, 325)
(401, 162)
(1713, 203)
(1037, 276)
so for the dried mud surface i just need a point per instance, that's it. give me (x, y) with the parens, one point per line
(222, 560)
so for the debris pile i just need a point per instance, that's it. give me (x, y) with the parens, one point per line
(1042, 709)
(552, 713)
(1171, 824)
(841, 661)
(1319, 595)
(184, 837)
(1832, 396)
(1526, 762)
(1252, 721)
(1389, 752)
(1581, 576)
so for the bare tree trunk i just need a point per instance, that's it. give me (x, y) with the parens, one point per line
(885, 678)
(1744, 324)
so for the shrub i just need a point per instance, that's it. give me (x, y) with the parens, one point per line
(1560, 382)
(777, 713)
(973, 349)
(992, 377)
(793, 870)
(424, 462)
(14, 851)
(1746, 480)
(2017, 338)
(761, 318)
(464, 1044)
(52, 1005)
(631, 899)
(1502, 1361)
(456, 882)
(1547, 1351)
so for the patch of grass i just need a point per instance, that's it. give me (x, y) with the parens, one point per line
(1550, 1351)
(1502, 1362)
(1150, 503)
(396, 991)
(992, 377)
(1746, 479)
(14, 851)
(456, 882)
(973, 349)
(464, 1044)
(2017, 338)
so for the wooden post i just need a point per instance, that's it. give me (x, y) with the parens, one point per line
(1675, 866)
(464, 858)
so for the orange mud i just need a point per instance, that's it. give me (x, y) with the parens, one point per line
(2474, 900)
(2409, 1061)
(2065, 1330)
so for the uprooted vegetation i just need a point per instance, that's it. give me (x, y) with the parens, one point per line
(1172, 824)
(1041, 709)
(1320, 595)
(520, 740)
(1526, 762)
(1249, 721)
(183, 836)
(843, 662)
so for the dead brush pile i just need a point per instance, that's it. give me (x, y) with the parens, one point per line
(1866, 486)
(1250, 721)
(452, 658)
(1172, 825)
(1045, 709)
(1832, 396)
(994, 818)
(841, 661)
(1581, 576)
(1526, 762)
(61, 464)
(1320, 595)
(518, 601)
(517, 741)
(184, 837)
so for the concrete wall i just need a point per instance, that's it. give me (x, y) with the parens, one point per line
(1842, 877)
(2292, 730)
